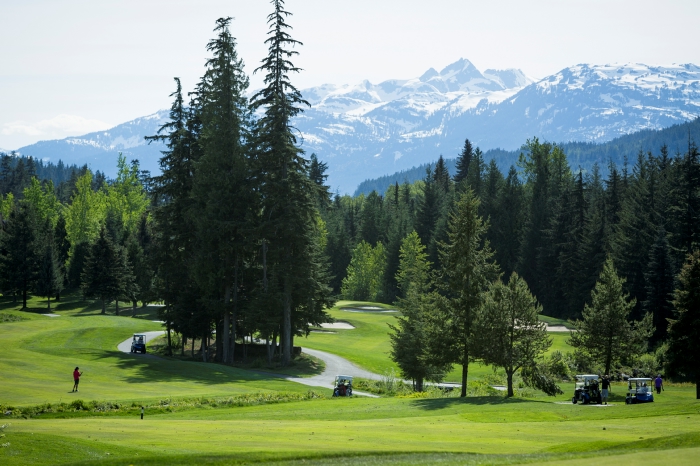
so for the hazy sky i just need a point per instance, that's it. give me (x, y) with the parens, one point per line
(68, 67)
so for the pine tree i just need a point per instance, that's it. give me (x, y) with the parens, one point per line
(222, 186)
(508, 331)
(19, 262)
(507, 227)
(660, 285)
(684, 329)
(103, 275)
(409, 345)
(62, 248)
(287, 202)
(49, 277)
(605, 333)
(464, 160)
(467, 269)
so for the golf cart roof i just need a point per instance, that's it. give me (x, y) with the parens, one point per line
(587, 376)
(139, 334)
(639, 379)
(349, 377)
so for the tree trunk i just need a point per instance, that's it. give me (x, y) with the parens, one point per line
(465, 372)
(58, 296)
(104, 307)
(24, 298)
(49, 300)
(226, 327)
(419, 384)
(287, 325)
(182, 348)
(509, 375)
(170, 347)
(697, 387)
(116, 307)
(203, 348)
(134, 305)
(192, 348)
(234, 316)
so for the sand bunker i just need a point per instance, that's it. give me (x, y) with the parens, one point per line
(338, 325)
(557, 328)
(371, 309)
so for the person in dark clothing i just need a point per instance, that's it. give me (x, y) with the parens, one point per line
(659, 384)
(76, 379)
(605, 385)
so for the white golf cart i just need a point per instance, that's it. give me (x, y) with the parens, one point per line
(639, 390)
(587, 389)
(342, 385)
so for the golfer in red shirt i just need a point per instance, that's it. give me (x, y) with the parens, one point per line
(76, 379)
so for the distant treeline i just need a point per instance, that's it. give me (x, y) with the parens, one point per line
(583, 155)
(16, 173)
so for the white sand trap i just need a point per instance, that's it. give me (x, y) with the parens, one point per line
(338, 325)
(52, 315)
(322, 331)
(366, 310)
(557, 328)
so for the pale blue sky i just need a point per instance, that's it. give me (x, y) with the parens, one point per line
(72, 66)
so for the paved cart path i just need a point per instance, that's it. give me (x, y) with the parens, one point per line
(335, 365)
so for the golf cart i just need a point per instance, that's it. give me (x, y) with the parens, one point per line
(343, 385)
(138, 344)
(587, 390)
(639, 390)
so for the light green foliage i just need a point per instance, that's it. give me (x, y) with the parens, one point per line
(126, 196)
(508, 333)
(605, 333)
(6, 204)
(364, 279)
(43, 200)
(414, 268)
(86, 212)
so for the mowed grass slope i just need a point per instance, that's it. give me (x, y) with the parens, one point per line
(38, 356)
(460, 431)
(368, 345)
(42, 351)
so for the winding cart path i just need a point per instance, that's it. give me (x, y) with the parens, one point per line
(335, 365)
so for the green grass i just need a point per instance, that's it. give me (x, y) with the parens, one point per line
(40, 353)
(384, 431)
(223, 415)
(368, 344)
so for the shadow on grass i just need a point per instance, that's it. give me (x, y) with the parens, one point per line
(430, 404)
(148, 369)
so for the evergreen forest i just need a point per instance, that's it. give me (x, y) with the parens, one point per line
(240, 237)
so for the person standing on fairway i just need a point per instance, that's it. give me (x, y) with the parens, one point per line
(605, 387)
(76, 379)
(659, 383)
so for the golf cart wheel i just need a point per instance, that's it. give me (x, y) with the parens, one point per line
(574, 400)
(349, 391)
(628, 401)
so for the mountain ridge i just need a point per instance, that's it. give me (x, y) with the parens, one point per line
(396, 124)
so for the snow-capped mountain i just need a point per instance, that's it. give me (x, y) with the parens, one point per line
(99, 150)
(368, 130)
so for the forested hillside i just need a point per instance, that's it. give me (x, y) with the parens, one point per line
(581, 155)
(552, 223)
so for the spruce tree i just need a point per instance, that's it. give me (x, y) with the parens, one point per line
(508, 331)
(50, 274)
(222, 188)
(464, 160)
(467, 269)
(287, 201)
(19, 261)
(605, 333)
(104, 274)
(409, 340)
(684, 329)
(660, 285)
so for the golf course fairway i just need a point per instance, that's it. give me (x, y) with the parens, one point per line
(200, 413)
